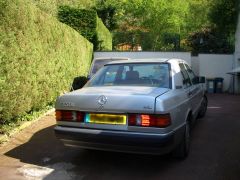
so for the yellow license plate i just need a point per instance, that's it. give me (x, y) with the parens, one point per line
(106, 119)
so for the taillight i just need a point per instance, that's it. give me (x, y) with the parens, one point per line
(62, 115)
(148, 120)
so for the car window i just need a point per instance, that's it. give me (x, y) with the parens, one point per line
(98, 64)
(191, 74)
(186, 79)
(125, 70)
(110, 76)
(139, 74)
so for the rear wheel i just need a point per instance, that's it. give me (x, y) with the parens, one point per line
(182, 149)
(203, 108)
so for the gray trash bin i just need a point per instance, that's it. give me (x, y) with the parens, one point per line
(218, 85)
(210, 85)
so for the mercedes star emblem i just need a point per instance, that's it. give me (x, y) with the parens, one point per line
(102, 100)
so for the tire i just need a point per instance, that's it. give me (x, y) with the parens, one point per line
(182, 150)
(203, 108)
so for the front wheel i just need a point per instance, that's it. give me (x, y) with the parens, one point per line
(182, 149)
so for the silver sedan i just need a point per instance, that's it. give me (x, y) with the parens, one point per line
(137, 106)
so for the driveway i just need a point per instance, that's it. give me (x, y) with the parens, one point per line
(35, 153)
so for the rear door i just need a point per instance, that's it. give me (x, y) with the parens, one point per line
(195, 93)
(186, 80)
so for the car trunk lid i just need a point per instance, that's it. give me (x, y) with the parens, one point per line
(119, 99)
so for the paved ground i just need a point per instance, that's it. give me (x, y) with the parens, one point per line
(215, 153)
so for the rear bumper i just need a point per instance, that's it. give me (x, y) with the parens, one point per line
(133, 142)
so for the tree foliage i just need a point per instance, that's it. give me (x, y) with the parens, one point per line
(208, 40)
(224, 15)
(166, 25)
(107, 12)
(197, 16)
(154, 18)
(219, 35)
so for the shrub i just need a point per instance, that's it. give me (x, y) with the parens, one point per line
(39, 58)
(87, 23)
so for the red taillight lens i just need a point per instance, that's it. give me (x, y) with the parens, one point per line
(132, 119)
(62, 115)
(147, 120)
(67, 115)
(80, 116)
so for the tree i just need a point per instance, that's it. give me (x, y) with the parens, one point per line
(166, 25)
(208, 40)
(107, 13)
(224, 15)
(197, 15)
(155, 18)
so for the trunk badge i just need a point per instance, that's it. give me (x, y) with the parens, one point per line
(147, 107)
(101, 100)
(68, 104)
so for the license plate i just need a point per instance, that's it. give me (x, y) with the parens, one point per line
(106, 119)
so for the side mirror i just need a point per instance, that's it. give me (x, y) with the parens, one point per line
(186, 81)
(196, 80)
(202, 79)
(78, 82)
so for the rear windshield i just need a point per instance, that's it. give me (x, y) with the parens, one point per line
(139, 74)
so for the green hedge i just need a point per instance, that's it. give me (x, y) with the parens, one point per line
(87, 23)
(39, 58)
(51, 6)
(104, 36)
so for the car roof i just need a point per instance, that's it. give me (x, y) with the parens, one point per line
(152, 60)
(111, 58)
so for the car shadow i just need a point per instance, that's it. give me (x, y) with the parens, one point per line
(44, 150)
